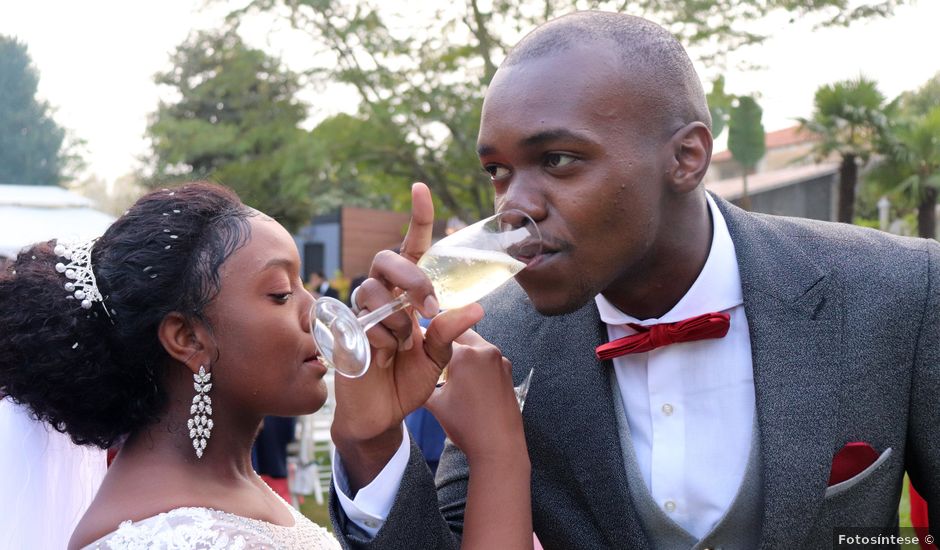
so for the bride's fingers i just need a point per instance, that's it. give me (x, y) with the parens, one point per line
(373, 295)
(437, 402)
(382, 338)
(445, 328)
(393, 271)
(471, 338)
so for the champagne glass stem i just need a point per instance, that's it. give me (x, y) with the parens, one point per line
(373, 318)
(523, 389)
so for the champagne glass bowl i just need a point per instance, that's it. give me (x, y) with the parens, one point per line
(463, 267)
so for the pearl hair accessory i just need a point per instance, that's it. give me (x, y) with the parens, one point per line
(82, 284)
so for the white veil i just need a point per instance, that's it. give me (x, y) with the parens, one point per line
(46, 481)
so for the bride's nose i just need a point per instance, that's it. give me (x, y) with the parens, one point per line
(306, 309)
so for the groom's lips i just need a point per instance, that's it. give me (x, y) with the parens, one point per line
(538, 261)
(548, 252)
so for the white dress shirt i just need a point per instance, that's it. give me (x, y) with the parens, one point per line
(690, 406)
(370, 508)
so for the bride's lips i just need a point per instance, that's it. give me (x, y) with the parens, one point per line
(314, 361)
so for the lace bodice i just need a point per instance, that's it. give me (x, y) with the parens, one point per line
(208, 529)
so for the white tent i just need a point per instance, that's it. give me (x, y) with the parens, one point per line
(34, 213)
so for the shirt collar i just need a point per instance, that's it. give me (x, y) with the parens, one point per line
(717, 288)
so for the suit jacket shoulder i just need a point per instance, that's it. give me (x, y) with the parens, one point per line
(785, 256)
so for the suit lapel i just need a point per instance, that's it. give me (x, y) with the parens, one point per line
(579, 402)
(795, 314)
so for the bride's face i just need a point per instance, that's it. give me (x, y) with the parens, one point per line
(266, 357)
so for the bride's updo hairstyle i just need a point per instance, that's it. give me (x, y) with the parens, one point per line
(90, 363)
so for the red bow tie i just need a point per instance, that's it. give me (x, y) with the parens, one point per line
(702, 327)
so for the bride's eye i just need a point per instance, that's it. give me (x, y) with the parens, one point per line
(281, 297)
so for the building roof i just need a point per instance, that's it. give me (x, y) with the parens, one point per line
(774, 140)
(47, 196)
(35, 213)
(731, 188)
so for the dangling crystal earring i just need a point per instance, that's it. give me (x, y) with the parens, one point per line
(200, 425)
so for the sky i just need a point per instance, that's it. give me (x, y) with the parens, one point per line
(97, 59)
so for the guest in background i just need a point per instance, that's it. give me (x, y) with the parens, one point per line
(319, 285)
(269, 453)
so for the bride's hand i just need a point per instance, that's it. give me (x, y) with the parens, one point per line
(478, 409)
(477, 405)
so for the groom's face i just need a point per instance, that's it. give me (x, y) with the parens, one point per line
(565, 138)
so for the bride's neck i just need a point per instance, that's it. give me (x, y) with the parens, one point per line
(227, 455)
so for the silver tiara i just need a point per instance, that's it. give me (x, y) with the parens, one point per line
(82, 284)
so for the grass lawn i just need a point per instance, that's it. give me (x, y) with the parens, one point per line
(318, 513)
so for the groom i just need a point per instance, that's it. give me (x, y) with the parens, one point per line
(704, 376)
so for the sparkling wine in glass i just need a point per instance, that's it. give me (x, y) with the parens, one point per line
(462, 275)
(463, 267)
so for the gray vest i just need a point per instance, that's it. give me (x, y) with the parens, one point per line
(739, 528)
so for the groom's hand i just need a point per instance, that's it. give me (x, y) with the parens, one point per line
(406, 363)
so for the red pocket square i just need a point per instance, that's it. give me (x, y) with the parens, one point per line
(851, 460)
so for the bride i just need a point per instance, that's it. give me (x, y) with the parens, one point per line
(175, 333)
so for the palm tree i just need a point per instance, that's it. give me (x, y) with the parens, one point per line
(850, 120)
(914, 160)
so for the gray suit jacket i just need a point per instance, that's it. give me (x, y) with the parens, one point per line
(845, 335)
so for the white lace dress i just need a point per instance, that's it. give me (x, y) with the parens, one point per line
(208, 529)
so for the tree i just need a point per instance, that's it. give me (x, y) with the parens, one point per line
(235, 120)
(115, 197)
(746, 139)
(918, 152)
(849, 116)
(720, 104)
(426, 85)
(910, 169)
(31, 143)
(922, 100)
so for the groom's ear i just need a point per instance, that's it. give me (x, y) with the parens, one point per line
(186, 340)
(689, 151)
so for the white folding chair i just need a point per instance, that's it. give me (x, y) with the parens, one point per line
(309, 472)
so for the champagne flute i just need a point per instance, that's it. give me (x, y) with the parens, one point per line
(463, 267)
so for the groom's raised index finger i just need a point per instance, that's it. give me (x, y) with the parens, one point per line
(418, 238)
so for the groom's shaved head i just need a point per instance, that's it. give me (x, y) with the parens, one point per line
(648, 53)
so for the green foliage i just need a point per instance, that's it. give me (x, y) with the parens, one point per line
(421, 91)
(236, 121)
(31, 143)
(910, 170)
(918, 151)
(850, 117)
(719, 105)
(921, 101)
(872, 223)
(746, 139)
(746, 133)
